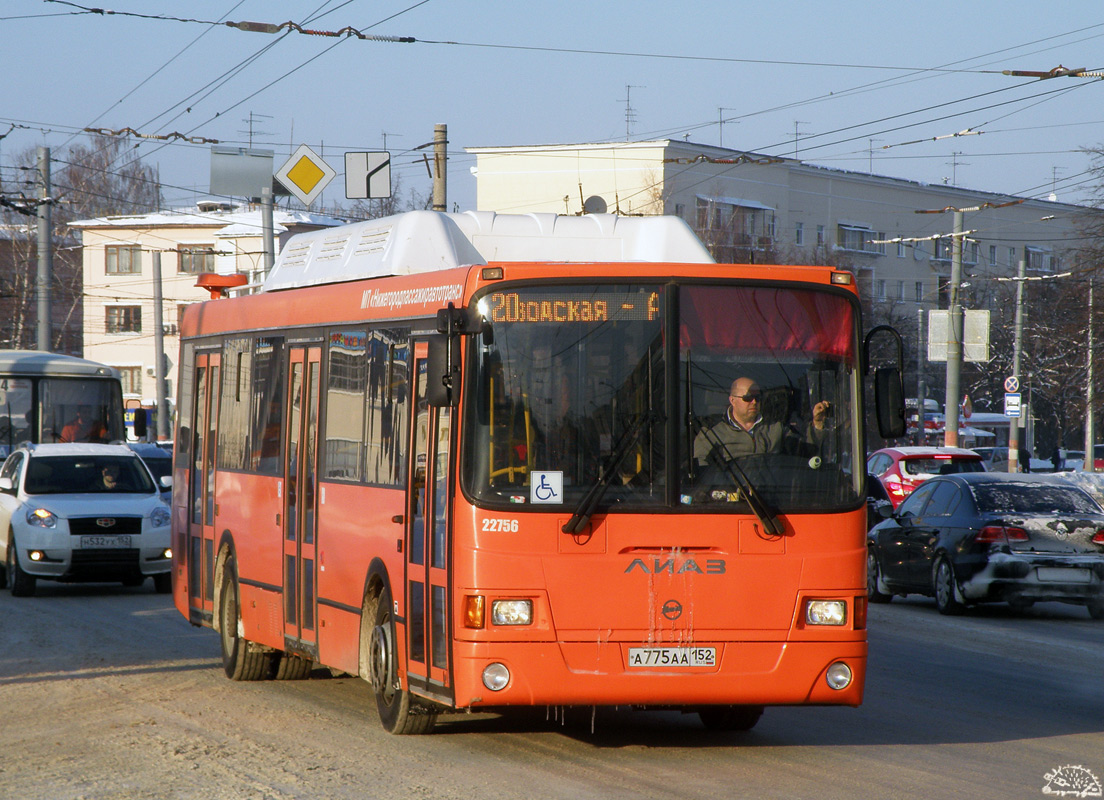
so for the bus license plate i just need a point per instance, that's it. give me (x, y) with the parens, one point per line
(105, 541)
(672, 656)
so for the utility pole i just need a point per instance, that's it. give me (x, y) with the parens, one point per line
(1017, 349)
(45, 250)
(268, 231)
(159, 351)
(954, 341)
(921, 384)
(1090, 434)
(440, 163)
(720, 125)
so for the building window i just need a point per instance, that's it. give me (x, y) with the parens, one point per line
(197, 258)
(900, 290)
(132, 379)
(880, 289)
(919, 288)
(124, 319)
(123, 259)
(799, 234)
(900, 249)
(992, 255)
(1012, 260)
(1038, 259)
(860, 240)
(820, 235)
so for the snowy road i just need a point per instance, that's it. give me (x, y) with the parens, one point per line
(106, 692)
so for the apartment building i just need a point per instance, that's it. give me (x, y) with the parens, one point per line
(118, 253)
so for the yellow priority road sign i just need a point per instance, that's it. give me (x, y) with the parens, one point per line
(305, 174)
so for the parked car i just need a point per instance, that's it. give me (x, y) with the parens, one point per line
(996, 460)
(991, 537)
(158, 460)
(82, 512)
(902, 469)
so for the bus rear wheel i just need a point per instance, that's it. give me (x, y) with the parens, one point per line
(240, 661)
(399, 713)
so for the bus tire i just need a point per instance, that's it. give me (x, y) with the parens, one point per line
(289, 667)
(239, 660)
(730, 718)
(21, 583)
(398, 712)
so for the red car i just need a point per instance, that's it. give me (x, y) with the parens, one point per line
(902, 469)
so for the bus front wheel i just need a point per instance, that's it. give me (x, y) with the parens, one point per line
(399, 713)
(730, 718)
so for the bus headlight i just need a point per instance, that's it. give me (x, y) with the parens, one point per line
(825, 612)
(839, 676)
(496, 676)
(512, 612)
(41, 518)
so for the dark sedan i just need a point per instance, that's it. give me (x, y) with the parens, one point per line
(991, 537)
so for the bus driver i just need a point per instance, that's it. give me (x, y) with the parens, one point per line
(744, 432)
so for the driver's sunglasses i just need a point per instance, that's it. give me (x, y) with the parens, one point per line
(750, 396)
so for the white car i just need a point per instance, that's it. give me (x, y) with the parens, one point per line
(82, 512)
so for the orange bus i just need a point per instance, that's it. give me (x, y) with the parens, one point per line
(479, 460)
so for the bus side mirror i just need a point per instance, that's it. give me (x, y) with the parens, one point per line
(443, 371)
(889, 402)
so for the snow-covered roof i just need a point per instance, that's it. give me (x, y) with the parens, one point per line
(248, 217)
(428, 241)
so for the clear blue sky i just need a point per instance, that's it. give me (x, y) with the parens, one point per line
(863, 86)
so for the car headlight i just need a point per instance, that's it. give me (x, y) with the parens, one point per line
(41, 518)
(825, 612)
(160, 517)
(512, 612)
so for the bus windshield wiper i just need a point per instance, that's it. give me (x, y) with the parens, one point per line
(581, 517)
(732, 468)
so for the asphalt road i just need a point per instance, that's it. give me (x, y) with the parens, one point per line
(106, 692)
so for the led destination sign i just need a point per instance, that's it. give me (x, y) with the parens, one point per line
(566, 307)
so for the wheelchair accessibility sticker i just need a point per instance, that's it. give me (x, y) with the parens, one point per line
(546, 487)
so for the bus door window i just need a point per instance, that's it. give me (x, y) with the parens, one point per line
(201, 494)
(428, 539)
(301, 478)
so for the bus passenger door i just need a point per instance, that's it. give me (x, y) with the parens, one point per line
(300, 481)
(201, 485)
(427, 540)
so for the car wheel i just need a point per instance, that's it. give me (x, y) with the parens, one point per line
(162, 583)
(873, 573)
(1096, 608)
(730, 718)
(20, 583)
(943, 584)
(399, 713)
(240, 661)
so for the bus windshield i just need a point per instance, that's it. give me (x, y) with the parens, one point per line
(632, 390)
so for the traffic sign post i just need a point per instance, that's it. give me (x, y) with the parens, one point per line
(1012, 404)
(305, 174)
(1012, 384)
(367, 176)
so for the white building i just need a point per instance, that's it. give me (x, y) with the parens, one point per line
(118, 277)
(753, 208)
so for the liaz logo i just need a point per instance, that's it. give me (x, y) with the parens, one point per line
(673, 566)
